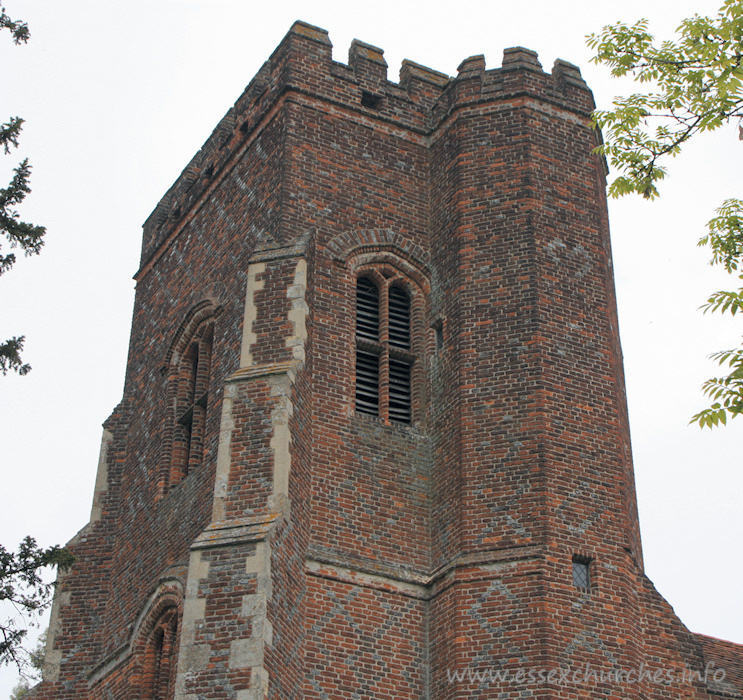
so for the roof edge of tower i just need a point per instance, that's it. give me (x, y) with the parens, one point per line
(302, 63)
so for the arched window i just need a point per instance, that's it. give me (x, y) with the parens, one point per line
(158, 678)
(384, 357)
(191, 401)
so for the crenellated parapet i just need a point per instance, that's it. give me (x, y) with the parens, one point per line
(520, 74)
(302, 67)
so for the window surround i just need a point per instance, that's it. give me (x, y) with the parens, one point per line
(157, 650)
(158, 677)
(188, 369)
(395, 355)
(191, 403)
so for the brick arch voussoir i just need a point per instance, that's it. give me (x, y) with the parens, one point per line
(167, 597)
(381, 245)
(163, 609)
(199, 314)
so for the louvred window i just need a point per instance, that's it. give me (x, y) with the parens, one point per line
(384, 360)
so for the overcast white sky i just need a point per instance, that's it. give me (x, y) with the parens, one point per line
(119, 96)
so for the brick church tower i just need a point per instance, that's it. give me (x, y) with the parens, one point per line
(373, 441)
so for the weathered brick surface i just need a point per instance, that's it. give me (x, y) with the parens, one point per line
(316, 553)
(363, 643)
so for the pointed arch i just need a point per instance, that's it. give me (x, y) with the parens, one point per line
(391, 307)
(155, 642)
(197, 314)
(188, 367)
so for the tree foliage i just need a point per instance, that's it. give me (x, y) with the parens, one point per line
(16, 234)
(20, 690)
(691, 85)
(36, 661)
(24, 590)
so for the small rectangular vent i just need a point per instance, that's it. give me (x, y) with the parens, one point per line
(370, 100)
(582, 573)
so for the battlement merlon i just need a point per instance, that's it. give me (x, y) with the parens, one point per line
(420, 102)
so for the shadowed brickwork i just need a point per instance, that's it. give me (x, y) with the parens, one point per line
(253, 535)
